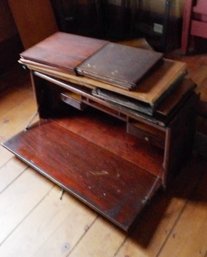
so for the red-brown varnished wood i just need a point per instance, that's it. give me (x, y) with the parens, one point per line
(111, 185)
(173, 100)
(199, 28)
(200, 7)
(194, 21)
(187, 9)
(110, 133)
(63, 50)
(120, 65)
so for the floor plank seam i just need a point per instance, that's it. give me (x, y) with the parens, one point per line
(171, 230)
(13, 180)
(179, 215)
(5, 163)
(118, 249)
(26, 216)
(82, 236)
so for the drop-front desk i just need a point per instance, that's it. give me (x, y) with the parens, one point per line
(110, 158)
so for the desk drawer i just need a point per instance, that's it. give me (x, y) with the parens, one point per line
(73, 100)
(146, 132)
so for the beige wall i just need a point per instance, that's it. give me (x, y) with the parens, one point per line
(7, 25)
(156, 5)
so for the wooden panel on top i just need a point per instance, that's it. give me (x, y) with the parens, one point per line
(111, 185)
(7, 28)
(119, 65)
(149, 90)
(64, 51)
(174, 99)
(34, 19)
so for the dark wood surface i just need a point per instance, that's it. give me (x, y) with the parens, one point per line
(122, 66)
(176, 98)
(108, 183)
(150, 89)
(150, 134)
(110, 134)
(34, 20)
(180, 136)
(62, 50)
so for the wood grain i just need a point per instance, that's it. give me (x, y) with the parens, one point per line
(180, 241)
(5, 156)
(110, 134)
(34, 20)
(106, 244)
(63, 50)
(153, 229)
(10, 172)
(28, 197)
(87, 171)
(119, 65)
(54, 231)
(8, 99)
(13, 122)
(149, 90)
(158, 221)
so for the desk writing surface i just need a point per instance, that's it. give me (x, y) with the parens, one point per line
(110, 184)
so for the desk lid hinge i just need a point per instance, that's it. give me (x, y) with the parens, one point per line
(153, 188)
(29, 123)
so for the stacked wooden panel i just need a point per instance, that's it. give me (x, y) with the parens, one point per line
(137, 75)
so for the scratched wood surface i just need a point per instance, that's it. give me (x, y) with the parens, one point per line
(148, 91)
(35, 222)
(108, 183)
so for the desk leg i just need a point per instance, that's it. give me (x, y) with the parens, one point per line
(179, 139)
(47, 97)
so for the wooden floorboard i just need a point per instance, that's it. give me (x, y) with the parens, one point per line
(16, 118)
(102, 239)
(50, 229)
(189, 238)
(34, 222)
(13, 169)
(5, 156)
(19, 200)
(158, 220)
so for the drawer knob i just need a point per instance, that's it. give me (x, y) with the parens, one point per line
(146, 139)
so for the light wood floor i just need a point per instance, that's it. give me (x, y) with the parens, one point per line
(35, 222)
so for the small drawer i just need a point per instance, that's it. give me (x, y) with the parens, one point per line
(148, 133)
(73, 100)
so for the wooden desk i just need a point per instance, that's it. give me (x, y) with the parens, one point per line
(81, 143)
